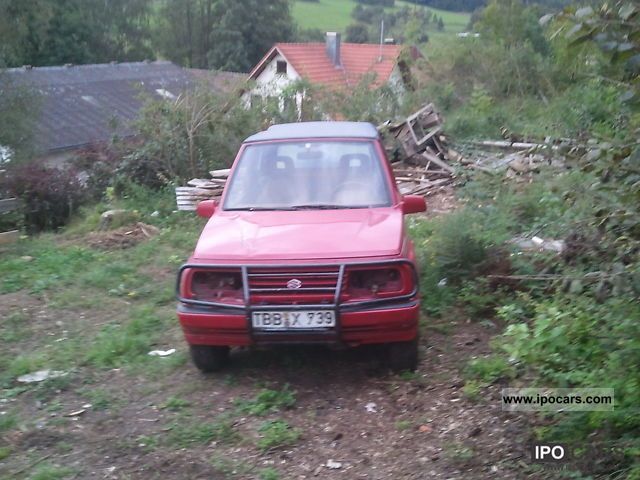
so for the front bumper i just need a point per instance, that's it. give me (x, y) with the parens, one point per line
(398, 323)
(381, 320)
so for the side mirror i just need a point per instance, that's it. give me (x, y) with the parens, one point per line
(413, 204)
(206, 208)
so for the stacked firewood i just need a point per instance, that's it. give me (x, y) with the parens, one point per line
(200, 189)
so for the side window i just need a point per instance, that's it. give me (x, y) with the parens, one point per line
(281, 67)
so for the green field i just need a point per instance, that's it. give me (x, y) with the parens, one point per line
(335, 15)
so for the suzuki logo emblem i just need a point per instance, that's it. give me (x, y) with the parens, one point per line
(294, 283)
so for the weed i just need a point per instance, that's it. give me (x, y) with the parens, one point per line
(99, 398)
(54, 406)
(443, 328)
(64, 447)
(228, 466)
(25, 363)
(58, 422)
(277, 433)
(5, 452)
(472, 389)
(459, 452)
(490, 369)
(230, 380)
(48, 389)
(184, 434)
(267, 401)
(14, 328)
(147, 442)
(8, 421)
(269, 474)
(118, 345)
(402, 425)
(478, 300)
(51, 472)
(175, 404)
(409, 376)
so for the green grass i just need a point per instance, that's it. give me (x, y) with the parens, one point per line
(277, 433)
(269, 473)
(14, 328)
(7, 422)
(175, 404)
(335, 15)
(117, 345)
(51, 472)
(184, 434)
(267, 401)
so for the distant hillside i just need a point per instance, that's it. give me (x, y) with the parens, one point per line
(335, 15)
(471, 5)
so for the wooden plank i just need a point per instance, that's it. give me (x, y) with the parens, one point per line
(194, 190)
(9, 204)
(224, 172)
(204, 183)
(9, 237)
(437, 161)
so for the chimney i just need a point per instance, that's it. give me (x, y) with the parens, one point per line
(333, 48)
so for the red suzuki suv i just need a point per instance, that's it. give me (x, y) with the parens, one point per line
(307, 246)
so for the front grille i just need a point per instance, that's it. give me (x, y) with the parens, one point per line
(292, 285)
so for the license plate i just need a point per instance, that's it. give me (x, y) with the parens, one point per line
(293, 320)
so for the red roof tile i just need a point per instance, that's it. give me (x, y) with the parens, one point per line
(310, 60)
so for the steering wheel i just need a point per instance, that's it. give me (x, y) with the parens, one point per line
(350, 183)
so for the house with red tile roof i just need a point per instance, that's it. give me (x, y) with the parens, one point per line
(332, 65)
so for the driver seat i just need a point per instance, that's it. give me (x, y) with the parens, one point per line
(356, 168)
(278, 184)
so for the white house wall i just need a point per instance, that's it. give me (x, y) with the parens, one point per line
(270, 83)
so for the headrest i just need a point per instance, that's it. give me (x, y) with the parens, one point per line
(279, 164)
(355, 161)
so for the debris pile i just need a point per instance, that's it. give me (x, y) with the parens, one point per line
(516, 157)
(420, 156)
(123, 237)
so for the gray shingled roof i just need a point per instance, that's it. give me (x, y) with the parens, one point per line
(81, 104)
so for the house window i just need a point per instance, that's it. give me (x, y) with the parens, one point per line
(281, 67)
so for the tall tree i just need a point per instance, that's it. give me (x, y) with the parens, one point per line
(18, 110)
(52, 32)
(23, 30)
(246, 30)
(184, 29)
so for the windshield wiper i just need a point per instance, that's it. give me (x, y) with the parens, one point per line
(258, 209)
(319, 207)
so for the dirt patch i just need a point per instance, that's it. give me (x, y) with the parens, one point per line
(442, 200)
(123, 237)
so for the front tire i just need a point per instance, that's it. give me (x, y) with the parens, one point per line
(208, 358)
(403, 356)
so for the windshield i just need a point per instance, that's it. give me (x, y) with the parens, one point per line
(308, 175)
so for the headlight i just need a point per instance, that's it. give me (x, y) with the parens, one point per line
(377, 282)
(222, 286)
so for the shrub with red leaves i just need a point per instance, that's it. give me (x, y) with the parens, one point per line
(49, 195)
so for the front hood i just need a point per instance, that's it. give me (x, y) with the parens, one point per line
(301, 235)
